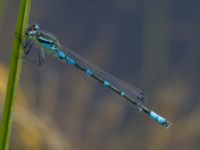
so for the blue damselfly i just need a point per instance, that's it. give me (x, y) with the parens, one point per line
(44, 42)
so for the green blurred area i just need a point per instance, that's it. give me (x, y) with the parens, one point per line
(151, 44)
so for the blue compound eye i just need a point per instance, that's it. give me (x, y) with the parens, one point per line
(32, 30)
(36, 27)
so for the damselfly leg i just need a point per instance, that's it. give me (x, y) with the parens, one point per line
(40, 56)
(28, 46)
(24, 46)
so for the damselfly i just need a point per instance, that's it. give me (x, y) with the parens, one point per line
(43, 41)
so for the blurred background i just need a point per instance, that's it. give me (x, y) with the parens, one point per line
(151, 44)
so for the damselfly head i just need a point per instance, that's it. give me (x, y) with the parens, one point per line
(33, 30)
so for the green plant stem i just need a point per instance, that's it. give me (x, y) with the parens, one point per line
(14, 74)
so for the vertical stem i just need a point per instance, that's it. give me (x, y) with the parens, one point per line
(14, 74)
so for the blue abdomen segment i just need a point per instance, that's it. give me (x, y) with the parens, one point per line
(159, 119)
(106, 83)
(61, 55)
(70, 61)
(89, 72)
(122, 94)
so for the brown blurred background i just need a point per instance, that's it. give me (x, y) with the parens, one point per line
(151, 44)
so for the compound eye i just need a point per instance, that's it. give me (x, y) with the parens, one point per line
(36, 27)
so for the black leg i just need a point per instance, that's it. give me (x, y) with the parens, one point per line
(18, 36)
(26, 44)
(39, 56)
(29, 48)
(42, 55)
